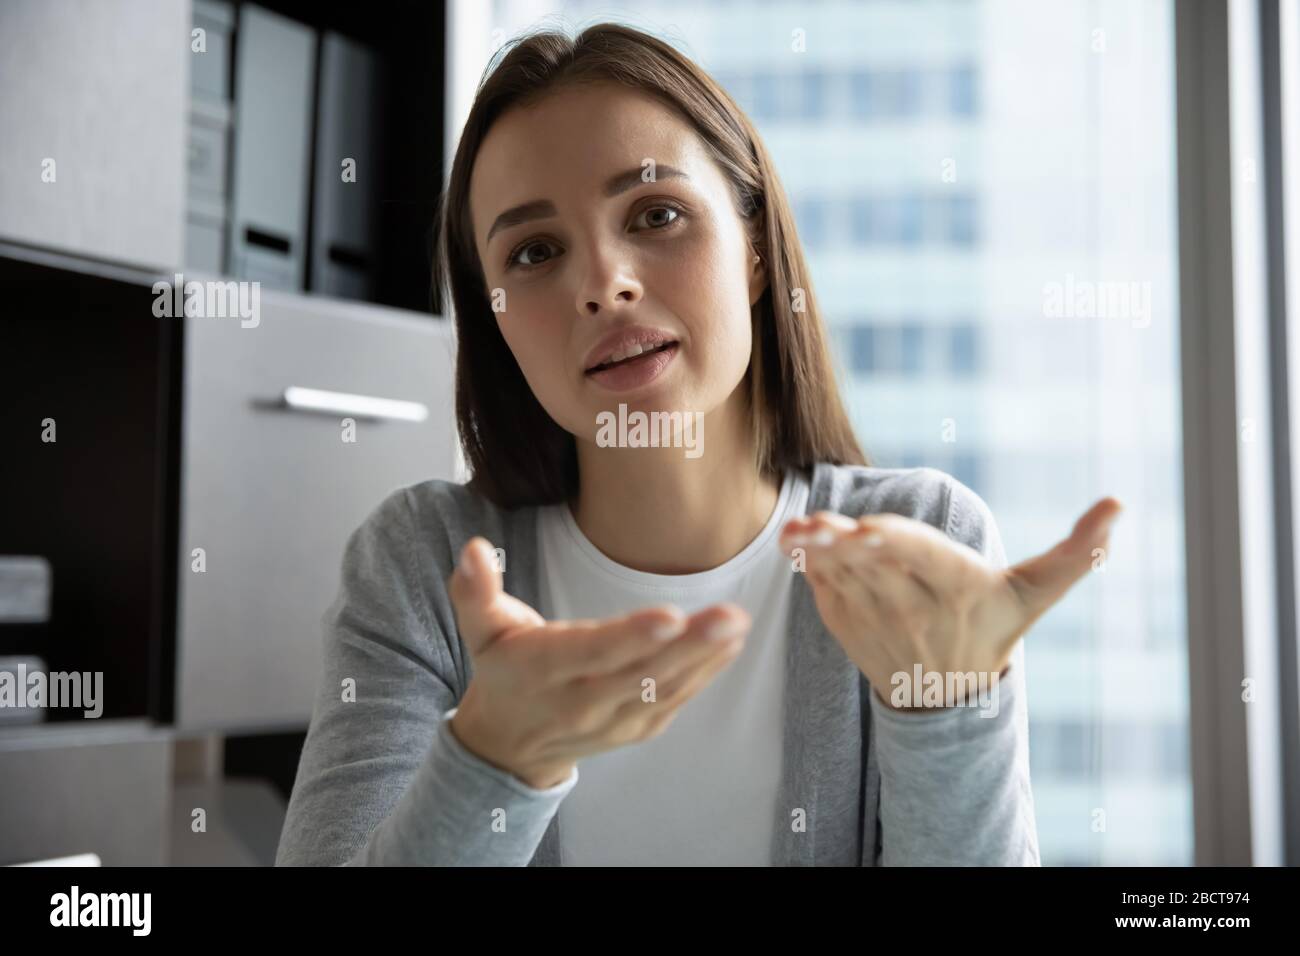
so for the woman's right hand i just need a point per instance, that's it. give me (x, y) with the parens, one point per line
(545, 693)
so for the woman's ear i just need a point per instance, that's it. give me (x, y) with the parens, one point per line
(757, 280)
(757, 276)
(758, 259)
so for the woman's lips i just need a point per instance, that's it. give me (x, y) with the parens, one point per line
(635, 372)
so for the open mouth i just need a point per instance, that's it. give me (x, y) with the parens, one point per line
(661, 347)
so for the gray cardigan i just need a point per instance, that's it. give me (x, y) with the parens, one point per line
(382, 780)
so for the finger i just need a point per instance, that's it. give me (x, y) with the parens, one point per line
(881, 600)
(860, 612)
(817, 530)
(712, 633)
(620, 699)
(837, 543)
(895, 590)
(483, 610)
(932, 556)
(1041, 581)
(864, 556)
(822, 535)
(604, 647)
(568, 649)
(838, 548)
(673, 692)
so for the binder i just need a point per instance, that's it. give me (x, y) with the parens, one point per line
(345, 213)
(274, 69)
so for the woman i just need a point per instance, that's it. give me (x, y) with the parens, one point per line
(617, 244)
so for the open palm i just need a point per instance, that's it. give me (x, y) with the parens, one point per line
(897, 592)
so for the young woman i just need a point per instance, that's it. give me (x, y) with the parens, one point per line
(701, 645)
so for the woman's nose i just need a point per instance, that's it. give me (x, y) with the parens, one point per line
(610, 283)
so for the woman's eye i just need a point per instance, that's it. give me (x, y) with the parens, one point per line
(519, 256)
(662, 222)
(656, 218)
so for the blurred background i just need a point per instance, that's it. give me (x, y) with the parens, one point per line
(1054, 242)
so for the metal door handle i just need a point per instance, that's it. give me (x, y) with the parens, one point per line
(318, 400)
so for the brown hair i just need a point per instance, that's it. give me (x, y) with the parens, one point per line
(517, 454)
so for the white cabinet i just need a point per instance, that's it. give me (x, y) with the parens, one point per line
(90, 787)
(93, 127)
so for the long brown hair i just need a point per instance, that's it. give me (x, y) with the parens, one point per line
(517, 454)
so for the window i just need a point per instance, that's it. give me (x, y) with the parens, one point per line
(961, 91)
(963, 358)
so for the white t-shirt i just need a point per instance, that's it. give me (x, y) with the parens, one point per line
(704, 791)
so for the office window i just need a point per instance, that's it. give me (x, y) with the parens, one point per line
(905, 212)
(966, 469)
(913, 458)
(766, 92)
(862, 348)
(961, 91)
(904, 93)
(740, 84)
(862, 88)
(962, 222)
(810, 221)
(813, 92)
(913, 348)
(888, 349)
(962, 356)
(862, 222)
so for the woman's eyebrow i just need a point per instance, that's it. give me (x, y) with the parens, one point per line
(614, 186)
(633, 177)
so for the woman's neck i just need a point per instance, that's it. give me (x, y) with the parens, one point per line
(656, 510)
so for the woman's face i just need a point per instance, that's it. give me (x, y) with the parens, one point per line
(602, 250)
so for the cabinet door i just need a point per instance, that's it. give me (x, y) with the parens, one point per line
(270, 494)
(92, 127)
(99, 787)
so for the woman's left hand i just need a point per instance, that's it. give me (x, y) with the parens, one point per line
(897, 592)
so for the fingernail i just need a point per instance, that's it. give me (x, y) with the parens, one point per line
(823, 538)
(464, 568)
(797, 541)
(727, 627)
(874, 540)
(665, 630)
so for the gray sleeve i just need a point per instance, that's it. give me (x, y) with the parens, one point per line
(955, 787)
(382, 779)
